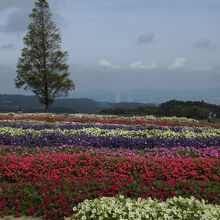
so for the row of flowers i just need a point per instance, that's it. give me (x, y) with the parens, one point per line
(114, 132)
(174, 152)
(57, 139)
(102, 116)
(105, 121)
(76, 126)
(16, 168)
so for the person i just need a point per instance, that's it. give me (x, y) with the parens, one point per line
(213, 118)
(210, 117)
(19, 111)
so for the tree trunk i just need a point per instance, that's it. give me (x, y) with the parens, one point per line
(47, 108)
(46, 102)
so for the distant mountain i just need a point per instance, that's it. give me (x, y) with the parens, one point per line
(211, 95)
(11, 103)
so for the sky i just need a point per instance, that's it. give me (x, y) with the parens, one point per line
(123, 44)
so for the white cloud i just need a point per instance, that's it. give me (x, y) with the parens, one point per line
(104, 62)
(203, 68)
(179, 62)
(139, 65)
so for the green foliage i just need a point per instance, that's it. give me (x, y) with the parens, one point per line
(189, 109)
(42, 66)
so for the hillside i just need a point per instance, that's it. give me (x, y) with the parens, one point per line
(11, 103)
(189, 109)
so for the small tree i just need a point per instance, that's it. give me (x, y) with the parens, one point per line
(42, 66)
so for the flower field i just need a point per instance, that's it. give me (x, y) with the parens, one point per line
(50, 165)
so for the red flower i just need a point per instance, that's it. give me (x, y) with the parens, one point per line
(17, 213)
(31, 211)
(53, 212)
(43, 207)
(174, 193)
(2, 204)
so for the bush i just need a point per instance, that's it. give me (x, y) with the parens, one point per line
(125, 208)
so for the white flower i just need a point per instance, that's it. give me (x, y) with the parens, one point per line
(131, 215)
(166, 216)
(154, 214)
(168, 211)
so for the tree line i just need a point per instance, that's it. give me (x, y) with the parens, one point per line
(189, 109)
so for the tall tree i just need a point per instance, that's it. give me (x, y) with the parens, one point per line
(42, 66)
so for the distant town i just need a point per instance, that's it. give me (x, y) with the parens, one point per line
(211, 96)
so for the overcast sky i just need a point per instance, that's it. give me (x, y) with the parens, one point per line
(123, 44)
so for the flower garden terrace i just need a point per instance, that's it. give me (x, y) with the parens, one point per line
(107, 119)
(52, 163)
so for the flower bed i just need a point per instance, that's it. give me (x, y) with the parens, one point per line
(114, 132)
(172, 152)
(48, 165)
(125, 208)
(164, 121)
(16, 168)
